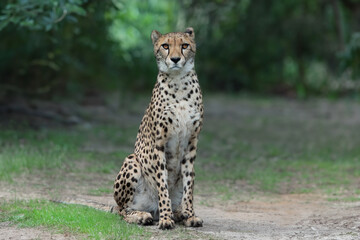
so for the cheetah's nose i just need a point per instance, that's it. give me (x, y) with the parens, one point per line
(175, 59)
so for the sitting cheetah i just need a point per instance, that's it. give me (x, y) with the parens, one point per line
(157, 181)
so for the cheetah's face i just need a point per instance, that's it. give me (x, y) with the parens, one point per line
(174, 52)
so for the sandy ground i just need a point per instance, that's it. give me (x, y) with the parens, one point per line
(7, 231)
(288, 217)
(291, 216)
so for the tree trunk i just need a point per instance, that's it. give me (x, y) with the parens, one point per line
(339, 24)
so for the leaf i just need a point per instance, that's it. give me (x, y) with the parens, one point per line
(48, 27)
(72, 19)
(75, 9)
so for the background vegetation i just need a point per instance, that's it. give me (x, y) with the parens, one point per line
(69, 47)
(68, 66)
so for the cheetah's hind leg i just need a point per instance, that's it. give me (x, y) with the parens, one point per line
(125, 186)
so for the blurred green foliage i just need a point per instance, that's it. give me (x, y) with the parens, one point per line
(67, 47)
(38, 14)
(351, 55)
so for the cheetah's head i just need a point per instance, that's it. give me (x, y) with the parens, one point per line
(174, 52)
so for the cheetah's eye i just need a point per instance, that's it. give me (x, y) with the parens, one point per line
(165, 46)
(185, 46)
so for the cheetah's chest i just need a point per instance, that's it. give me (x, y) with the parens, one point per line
(184, 115)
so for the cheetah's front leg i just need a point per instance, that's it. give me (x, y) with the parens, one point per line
(188, 174)
(165, 212)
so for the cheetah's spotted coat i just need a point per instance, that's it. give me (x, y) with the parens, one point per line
(157, 181)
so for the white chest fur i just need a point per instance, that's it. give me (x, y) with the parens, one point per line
(183, 128)
(185, 114)
(182, 104)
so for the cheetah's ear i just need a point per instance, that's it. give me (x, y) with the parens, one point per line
(155, 36)
(190, 32)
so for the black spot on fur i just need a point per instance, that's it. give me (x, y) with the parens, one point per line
(160, 148)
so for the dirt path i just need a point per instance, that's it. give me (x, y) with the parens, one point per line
(284, 217)
(294, 216)
(288, 217)
(8, 231)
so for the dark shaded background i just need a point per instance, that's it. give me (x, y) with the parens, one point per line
(71, 48)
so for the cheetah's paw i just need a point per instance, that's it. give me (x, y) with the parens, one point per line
(193, 221)
(138, 217)
(166, 224)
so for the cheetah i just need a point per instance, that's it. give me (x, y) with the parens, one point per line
(156, 182)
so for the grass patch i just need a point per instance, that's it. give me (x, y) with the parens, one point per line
(279, 146)
(26, 150)
(101, 191)
(280, 176)
(344, 199)
(271, 144)
(76, 219)
(343, 195)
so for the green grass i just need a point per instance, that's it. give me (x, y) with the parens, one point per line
(92, 223)
(280, 146)
(26, 150)
(337, 195)
(344, 199)
(301, 174)
(272, 144)
(101, 191)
